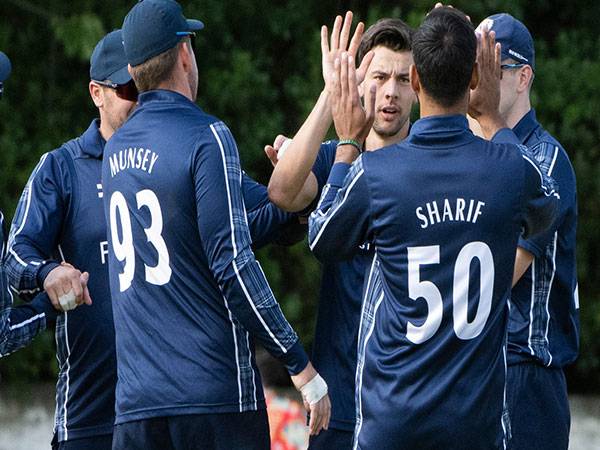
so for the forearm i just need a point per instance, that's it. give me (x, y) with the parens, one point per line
(250, 299)
(21, 324)
(289, 187)
(26, 267)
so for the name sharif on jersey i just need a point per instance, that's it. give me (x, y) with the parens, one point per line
(132, 158)
(452, 212)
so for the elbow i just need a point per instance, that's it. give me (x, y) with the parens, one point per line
(280, 197)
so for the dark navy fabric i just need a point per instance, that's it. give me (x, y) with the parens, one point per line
(103, 442)
(331, 439)
(19, 325)
(544, 315)
(189, 296)
(338, 317)
(228, 431)
(60, 217)
(432, 362)
(539, 407)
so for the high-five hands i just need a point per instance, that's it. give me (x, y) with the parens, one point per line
(485, 98)
(339, 44)
(352, 120)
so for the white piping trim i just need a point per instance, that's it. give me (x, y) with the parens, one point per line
(235, 267)
(350, 186)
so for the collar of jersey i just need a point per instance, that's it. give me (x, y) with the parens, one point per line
(162, 95)
(444, 131)
(92, 142)
(526, 126)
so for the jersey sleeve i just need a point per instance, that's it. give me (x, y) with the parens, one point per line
(268, 223)
(323, 164)
(226, 242)
(341, 221)
(541, 200)
(18, 326)
(541, 197)
(548, 157)
(36, 227)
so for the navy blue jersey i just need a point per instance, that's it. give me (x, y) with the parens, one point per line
(60, 217)
(544, 315)
(444, 210)
(189, 296)
(338, 318)
(19, 325)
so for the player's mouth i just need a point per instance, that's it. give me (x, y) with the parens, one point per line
(389, 112)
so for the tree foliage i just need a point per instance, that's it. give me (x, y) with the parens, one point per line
(259, 64)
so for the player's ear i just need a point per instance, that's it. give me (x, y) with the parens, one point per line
(96, 94)
(413, 77)
(474, 77)
(525, 79)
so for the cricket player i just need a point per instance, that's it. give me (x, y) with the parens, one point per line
(543, 334)
(18, 325)
(60, 218)
(302, 172)
(431, 370)
(189, 297)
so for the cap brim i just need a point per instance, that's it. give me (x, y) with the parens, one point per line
(5, 67)
(121, 76)
(194, 25)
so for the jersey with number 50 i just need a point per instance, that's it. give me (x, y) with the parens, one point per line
(444, 210)
(189, 298)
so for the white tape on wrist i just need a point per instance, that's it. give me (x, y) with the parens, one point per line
(67, 301)
(314, 390)
(283, 148)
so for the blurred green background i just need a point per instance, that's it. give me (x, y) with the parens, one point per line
(259, 64)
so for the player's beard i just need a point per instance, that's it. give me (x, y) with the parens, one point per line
(386, 130)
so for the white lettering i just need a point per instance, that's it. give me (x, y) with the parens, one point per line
(460, 207)
(145, 159)
(433, 211)
(114, 165)
(478, 211)
(103, 251)
(154, 158)
(447, 211)
(421, 217)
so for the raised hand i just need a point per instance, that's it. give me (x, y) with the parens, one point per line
(351, 119)
(339, 44)
(484, 100)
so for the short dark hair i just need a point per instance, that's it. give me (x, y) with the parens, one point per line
(444, 50)
(390, 33)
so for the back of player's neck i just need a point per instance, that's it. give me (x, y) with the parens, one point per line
(429, 108)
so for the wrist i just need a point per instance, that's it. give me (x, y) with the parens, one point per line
(43, 272)
(346, 154)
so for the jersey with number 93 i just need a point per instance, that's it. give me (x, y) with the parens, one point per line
(188, 294)
(444, 210)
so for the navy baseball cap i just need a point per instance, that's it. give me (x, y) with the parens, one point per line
(153, 27)
(5, 67)
(108, 61)
(514, 37)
